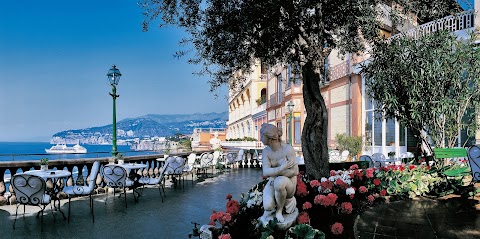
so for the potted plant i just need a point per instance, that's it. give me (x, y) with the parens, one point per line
(44, 164)
(120, 158)
(391, 155)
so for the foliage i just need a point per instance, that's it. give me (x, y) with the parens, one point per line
(44, 161)
(243, 139)
(328, 206)
(229, 36)
(435, 91)
(186, 144)
(353, 144)
(391, 153)
(261, 100)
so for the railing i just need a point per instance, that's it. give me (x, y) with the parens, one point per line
(461, 21)
(242, 145)
(275, 99)
(80, 168)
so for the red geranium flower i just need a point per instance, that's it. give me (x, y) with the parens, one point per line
(362, 189)
(370, 198)
(337, 228)
(411, 167)
(233, 207)
(383, 192)
(306, 205)
(314, 183)
(353, 167)
(376, 182)
(225, 236)
(303, 218)
(301, 190)
(229, 196)
(347, 207)
(369, 172)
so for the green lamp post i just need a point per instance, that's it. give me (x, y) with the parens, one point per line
(113, 76)
(290, 106)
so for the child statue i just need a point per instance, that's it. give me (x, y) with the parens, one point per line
(279, 164)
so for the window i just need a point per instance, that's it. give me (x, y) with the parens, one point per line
(289, 76)
(297, 129)
(279, 88)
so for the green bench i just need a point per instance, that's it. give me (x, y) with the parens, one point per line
(447, 153)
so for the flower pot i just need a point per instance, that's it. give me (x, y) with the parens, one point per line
(120, 161)
(44, 167)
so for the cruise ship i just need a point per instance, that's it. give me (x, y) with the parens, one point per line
(64, 149)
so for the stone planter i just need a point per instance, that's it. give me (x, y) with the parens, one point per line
(44, 167)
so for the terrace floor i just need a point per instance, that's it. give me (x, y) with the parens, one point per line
(149, 218)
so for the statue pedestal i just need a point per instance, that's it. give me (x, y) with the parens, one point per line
(290, 219)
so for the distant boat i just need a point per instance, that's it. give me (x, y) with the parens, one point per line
(64, 149)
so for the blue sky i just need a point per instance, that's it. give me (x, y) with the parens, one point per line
(54, 56)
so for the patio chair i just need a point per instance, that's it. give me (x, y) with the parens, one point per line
(174, 167)
(160, 181)
(344, 155)
(371, 163)
(217, 157)
(87, 189)
(116, 177)
(378, 160)
(258, 157)
(229, 159)
(191, 164)
(334, 156)
(206, 161)
(240, 157)
(30, 190)
(473, 154)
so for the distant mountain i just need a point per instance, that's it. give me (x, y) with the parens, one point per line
(146, 126)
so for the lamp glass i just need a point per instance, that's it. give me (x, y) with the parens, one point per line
(290, 106)
(114, 75)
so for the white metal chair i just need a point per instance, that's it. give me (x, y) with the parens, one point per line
(367, 158)
(206, 161)
(87, 189)
(344, 155)
(334, 156)
(30, 190)
(174, 166)
(160, 180)
(473, 154)
(378, 159)
(116, 177)
(240, 157)
(191, 165)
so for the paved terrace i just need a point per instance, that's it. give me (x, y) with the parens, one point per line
(150, 218)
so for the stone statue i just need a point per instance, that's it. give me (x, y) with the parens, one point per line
(279, 164)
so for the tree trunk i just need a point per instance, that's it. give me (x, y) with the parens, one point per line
(314, 135)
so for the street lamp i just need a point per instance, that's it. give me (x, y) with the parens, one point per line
(113, 76)
(290, 106)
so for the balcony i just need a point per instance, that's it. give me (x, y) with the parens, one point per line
(149, 218)
(275, 99)
(452, 23)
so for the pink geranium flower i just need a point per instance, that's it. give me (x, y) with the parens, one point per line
(303, 218)
(337, 228)
(306, 205)
(301, 190)
(225, 236)
(369, 172)
(314, 183)
(347, 207)
(362, 189)
(376, 182)
(370, 198)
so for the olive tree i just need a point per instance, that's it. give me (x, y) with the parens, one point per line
(430, 84)
(227, 36)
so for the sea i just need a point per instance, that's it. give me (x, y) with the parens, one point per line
(23, 151)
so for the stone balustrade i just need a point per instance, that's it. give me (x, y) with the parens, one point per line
(452, 23)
